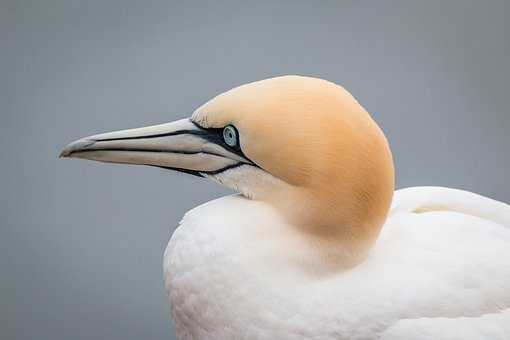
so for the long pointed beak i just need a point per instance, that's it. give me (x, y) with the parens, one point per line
(181, 145)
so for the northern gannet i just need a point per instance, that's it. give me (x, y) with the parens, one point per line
(317, 245)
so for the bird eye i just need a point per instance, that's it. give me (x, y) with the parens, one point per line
(230, 135)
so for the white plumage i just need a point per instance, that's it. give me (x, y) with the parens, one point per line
(440, 270)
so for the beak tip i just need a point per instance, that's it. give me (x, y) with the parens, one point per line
(76, 146)
(64, 154)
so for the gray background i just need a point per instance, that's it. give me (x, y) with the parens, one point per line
(81, 242)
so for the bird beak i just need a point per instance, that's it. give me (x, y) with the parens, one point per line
(181, 145)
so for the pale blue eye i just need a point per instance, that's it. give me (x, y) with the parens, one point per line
(230, 135)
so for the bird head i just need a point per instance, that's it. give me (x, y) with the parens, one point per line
(301, 144)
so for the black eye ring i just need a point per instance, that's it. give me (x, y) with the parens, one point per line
(230, 136)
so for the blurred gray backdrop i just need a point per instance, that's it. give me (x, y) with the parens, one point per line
(81, 242)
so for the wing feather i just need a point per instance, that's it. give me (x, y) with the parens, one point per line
(427, 199)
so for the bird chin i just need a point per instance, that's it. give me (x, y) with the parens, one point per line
(248, 180)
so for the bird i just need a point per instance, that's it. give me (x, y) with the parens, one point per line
(316, 243)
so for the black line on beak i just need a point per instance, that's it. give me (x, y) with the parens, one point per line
(186, 171)
(201, 173)
(180, 152)
(166, 134)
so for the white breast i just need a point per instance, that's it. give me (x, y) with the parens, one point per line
(433, 272)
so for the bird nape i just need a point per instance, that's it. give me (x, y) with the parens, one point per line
(317, 244)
